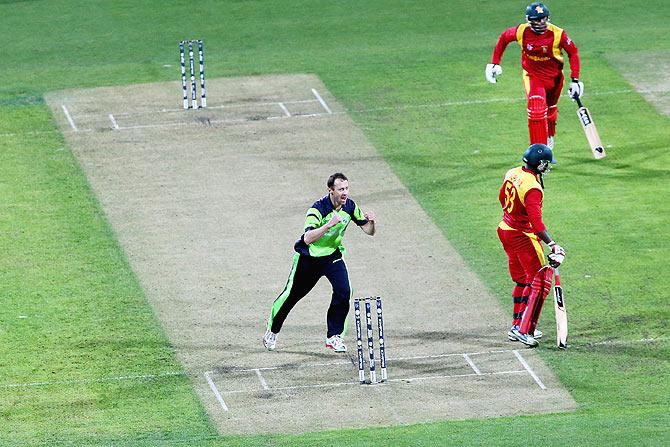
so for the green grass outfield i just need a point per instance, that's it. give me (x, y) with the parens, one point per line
(73, 314)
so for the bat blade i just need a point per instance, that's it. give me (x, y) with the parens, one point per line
(560, 312)
(590, 130)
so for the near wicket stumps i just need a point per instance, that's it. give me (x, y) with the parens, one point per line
(191, 63)
(370, 337)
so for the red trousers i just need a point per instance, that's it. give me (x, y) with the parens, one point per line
(550, 92)
(525, 255)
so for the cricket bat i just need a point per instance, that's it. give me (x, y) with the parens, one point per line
(561, 314)
(590, 130)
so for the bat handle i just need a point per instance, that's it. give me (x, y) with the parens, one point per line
(579, 101)
(557, 277)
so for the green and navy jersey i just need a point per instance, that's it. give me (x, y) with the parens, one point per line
(319, 215)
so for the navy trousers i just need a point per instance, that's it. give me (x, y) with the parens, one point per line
(305, 273)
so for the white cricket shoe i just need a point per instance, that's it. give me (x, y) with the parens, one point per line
(270, 340)
(527, 340)
(510, 335)
(550, 142)
(336, 344)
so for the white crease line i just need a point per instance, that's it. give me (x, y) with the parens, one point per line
(347, 362)
(215, 390)
(373, 109)
(472, 364)
(309, 115)
(264, 384)
(330, 112)
(437, 356)
(270, 368)
(401, 379)
(210, 107)
(230, 121)
(226, 106)
(284, 109)
(323, 103)
(416, 379)
(170, 374)
(529, 369)
(399, 107)
(370, 110)
(115, 125)
(69, 118)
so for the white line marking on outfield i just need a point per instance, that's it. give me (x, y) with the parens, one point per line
(529, 369)
(69, 118)
(284, 109)
(264, 384)
(627, 342)
(84, 381)
(330, 112)
(373, 109)
(370, 110)
(170, 374)
(114, 123)
(472, 364)
(215, 390)
(323, 103)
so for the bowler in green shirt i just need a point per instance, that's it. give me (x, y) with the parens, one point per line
(319, 252)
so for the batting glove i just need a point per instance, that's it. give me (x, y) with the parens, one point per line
(492, 72)
(576, 89)
(557, 255)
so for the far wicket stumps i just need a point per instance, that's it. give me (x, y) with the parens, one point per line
(201, 66)
(370, 339)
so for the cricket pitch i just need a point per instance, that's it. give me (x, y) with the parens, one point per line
(207, 205)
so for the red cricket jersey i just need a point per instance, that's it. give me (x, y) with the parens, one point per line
(521, 199)
(541, 54)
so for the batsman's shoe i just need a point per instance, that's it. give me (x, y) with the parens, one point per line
(526, 339)
(336, 344)
(510, 333)
(270, 340)
(512, 337)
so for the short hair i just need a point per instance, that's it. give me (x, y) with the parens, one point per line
(331, 180)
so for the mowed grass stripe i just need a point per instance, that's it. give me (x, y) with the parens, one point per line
(73, 310)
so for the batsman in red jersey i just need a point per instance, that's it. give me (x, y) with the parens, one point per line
(522, 229)
(542, 46)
